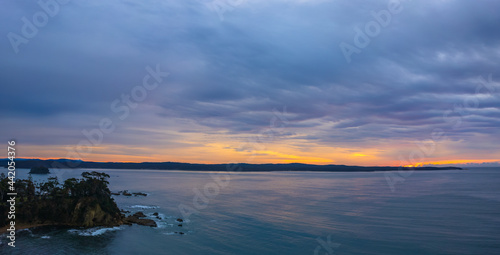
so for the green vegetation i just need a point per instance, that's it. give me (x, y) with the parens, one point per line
(83, 202)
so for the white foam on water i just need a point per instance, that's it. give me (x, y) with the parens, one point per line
(25, 230)
(161, 215)
(93, 231)
(161, 224)
(45, 237)
(174, 233)
(145, 206)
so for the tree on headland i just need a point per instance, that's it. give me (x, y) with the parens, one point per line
(77, 202)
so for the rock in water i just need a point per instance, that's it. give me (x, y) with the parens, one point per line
(139, 215)
(39, 170)
(136, 219)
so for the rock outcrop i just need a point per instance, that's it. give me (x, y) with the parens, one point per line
(39, 170)
(85, 202)
(137, 218)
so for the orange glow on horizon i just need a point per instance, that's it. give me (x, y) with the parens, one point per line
(223, 153)
(456, 161)
(302, 160)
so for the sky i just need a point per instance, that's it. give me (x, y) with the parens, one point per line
(275, 81)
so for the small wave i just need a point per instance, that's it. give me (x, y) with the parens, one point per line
(45, 237)
(25, 230)
(174, 233)
(160, 220)
(161, 224)
(160, 216)
(145, 206)
(93, 231)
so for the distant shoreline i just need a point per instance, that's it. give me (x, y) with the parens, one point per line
(233, 167)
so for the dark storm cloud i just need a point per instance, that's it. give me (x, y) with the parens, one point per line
(265, 55)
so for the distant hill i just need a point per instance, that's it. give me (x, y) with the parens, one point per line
(66, 163)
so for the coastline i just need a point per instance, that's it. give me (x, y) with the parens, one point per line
(22, 226)
(229, 167)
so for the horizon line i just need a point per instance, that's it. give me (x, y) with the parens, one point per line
(435, 163)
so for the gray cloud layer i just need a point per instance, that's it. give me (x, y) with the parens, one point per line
(227, 76)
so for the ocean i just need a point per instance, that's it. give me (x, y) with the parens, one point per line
(432, 212)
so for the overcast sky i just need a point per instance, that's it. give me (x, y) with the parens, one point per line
(320, 81)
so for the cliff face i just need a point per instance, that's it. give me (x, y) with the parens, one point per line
(88, 213)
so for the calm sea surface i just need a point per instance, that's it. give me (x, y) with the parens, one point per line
(441, 212)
